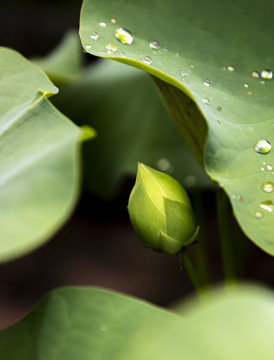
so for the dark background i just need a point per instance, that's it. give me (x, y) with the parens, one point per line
(97, 246)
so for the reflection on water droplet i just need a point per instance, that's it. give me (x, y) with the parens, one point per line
(155, 45)
(103, 24)
(249, 93)
(122, 54)
(111, 48)
(147, 60)
(192, 66)
(219, 108)
(262, 169)
(88, 47)
(246, 85)
(103, 328)
(124, 36)
(255, 74)
(268, 187)
(164, 165)
(230, 68)
(206, 101)
(262, 147)
(267, 205)
(258, 215)
(190, 180)
(113, 21)
(165, 48)
(267, 74)
(94, 35)
(183, 73)
(207, 82)
(269, 167)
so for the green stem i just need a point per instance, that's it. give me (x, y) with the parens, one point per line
(200, 251)
(225, 231)
(186, 262)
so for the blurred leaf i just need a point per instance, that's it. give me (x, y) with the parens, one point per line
(209, 50)
(39, 158)
(123, 105)
(64, 63)
(91, 324)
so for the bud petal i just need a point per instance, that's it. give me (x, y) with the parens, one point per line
(160, 211)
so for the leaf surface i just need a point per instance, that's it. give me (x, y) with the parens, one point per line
(211, 51)
(39, 158)
(95, 324)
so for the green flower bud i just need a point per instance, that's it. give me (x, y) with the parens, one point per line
(160, 211)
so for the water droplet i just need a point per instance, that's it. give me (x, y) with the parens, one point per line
(258, 215)
(103, 328)
(262, 147)
(111, 48)
(246, 85)
(262, 169)
(255, 74)
(269, 167)
(190, 180)
(262, 82)
(268, 187)
(230, 68)
(221, 185)
(165, 49)
(155, 45)
(219, 108)
(164, 165)
(267, 205)
(192, 66)
(147, 60)
(267, 74)
(124, 36)
(94, 35)
(249, 93)
(122, 54)
(183, 73)
(207, 82)
(113, 21)
(103, 24)
(88, 47)
(206, 101)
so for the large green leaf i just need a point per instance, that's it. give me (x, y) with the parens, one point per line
(39, 158)
(95, 324)
(209, 50)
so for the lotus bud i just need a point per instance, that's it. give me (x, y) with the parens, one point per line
(160, 211)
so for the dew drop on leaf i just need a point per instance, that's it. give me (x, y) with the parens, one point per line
(147, 60)
(183, 73)
(258, 215)
(103, 328)
(268, 187)
(124, 36)
(219, 108)
(206, 101)
(111, 48)
(267, 74)
(113, 21)
(262, 147)
(255, 74)
(155, 45)
(230, 68)
(207, 82)
(269, 167)
(246, 85)
(122, 54)
(103, 24)
(94, 35)
(165, 48)
(267, 205)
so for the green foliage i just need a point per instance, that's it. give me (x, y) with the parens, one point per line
(208, 50)
(96, 324)
(39, 159)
